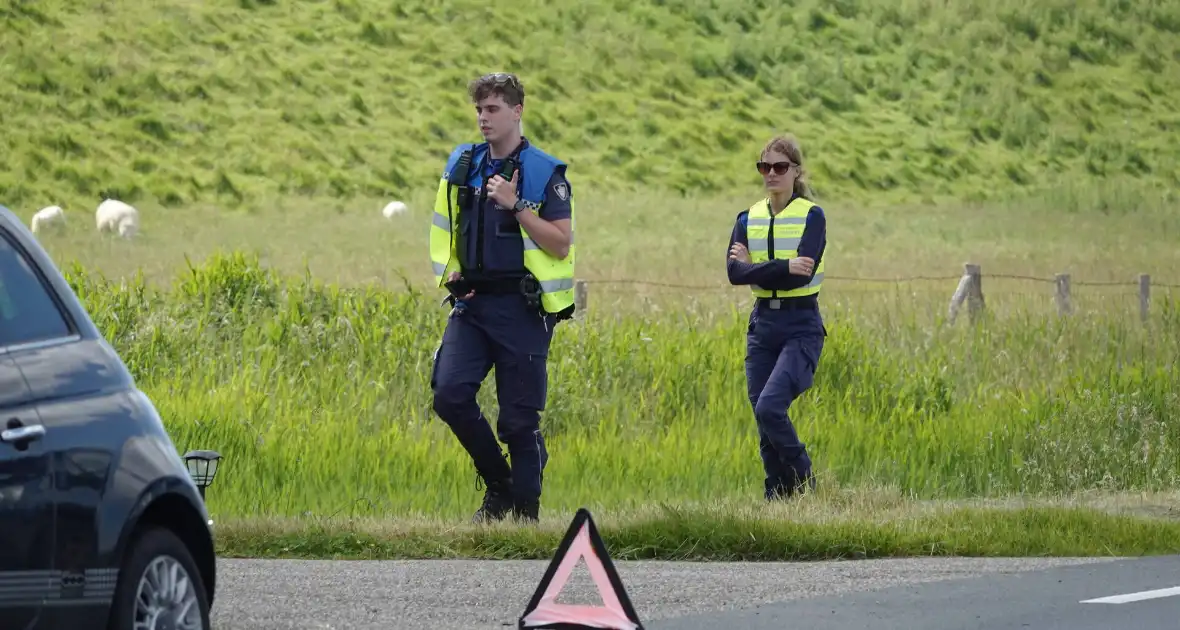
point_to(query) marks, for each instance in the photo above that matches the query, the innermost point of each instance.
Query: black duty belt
(495, 286)
(789, 304)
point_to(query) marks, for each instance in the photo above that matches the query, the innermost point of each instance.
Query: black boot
(491, 468)
(526, 511)
(497, 501)
(528, 476)
(806, 483)
(770, 489)
(790, 485)
(777, 490)
(796, 484)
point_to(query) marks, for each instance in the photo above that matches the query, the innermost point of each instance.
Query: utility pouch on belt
(458, 288)
(530, 288)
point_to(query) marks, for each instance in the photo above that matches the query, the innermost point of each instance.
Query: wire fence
(972, 289)
(895, 280)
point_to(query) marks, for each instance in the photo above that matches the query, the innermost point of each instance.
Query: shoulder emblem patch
(563, 191)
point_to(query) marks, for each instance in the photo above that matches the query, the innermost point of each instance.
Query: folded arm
(775, 274)
(750, 273)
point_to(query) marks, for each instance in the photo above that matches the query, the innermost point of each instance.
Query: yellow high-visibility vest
(556, 276)
(784, 230)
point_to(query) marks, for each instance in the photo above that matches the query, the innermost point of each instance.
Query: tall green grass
(318, 397)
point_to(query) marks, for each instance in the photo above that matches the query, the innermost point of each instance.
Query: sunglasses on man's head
(502, 78)
(779, 167)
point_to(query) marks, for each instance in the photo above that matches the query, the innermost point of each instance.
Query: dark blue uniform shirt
(502, 247)
(774, 274)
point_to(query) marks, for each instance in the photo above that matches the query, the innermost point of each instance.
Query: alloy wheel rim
(166, 599)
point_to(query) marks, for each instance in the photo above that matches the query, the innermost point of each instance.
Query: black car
(101, 525)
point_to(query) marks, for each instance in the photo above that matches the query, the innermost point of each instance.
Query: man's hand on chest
(502, 191)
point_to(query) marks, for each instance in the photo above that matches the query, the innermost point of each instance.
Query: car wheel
(159, 586)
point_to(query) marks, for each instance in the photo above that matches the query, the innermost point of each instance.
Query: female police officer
(777, 248)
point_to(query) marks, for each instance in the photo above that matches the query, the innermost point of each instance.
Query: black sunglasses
(503, 78)
(779, 167)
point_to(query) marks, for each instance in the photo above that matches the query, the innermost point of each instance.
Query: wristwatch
(521, 204)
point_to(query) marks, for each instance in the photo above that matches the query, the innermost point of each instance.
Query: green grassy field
(318, 397)
(1032, 140)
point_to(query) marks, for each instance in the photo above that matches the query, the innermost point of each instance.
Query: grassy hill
(216, 101)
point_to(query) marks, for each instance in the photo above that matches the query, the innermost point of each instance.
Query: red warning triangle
(581, 541)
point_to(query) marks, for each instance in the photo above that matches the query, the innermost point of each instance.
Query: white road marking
(1134, 597)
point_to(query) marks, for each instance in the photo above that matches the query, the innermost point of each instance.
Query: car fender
(160, 501)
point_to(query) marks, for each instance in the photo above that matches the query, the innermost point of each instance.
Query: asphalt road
(476, 595)
(1143, 594)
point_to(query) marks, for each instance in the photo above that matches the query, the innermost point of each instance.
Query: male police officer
(502, 243)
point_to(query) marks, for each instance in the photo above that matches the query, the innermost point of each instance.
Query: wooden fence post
(1064, 303)
(970, 289)
(1144, 296)
(581, 288)
(975, 301)
(952, 311)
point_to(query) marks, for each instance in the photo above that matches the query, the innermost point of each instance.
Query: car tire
(157, 552)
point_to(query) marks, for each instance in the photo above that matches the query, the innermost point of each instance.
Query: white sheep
(49, 216)
(393, 208)
(114, 215)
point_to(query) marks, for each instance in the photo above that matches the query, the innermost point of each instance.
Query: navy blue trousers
(499, 331)
(782, 352)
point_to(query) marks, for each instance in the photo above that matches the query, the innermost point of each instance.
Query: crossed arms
(778, 274)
